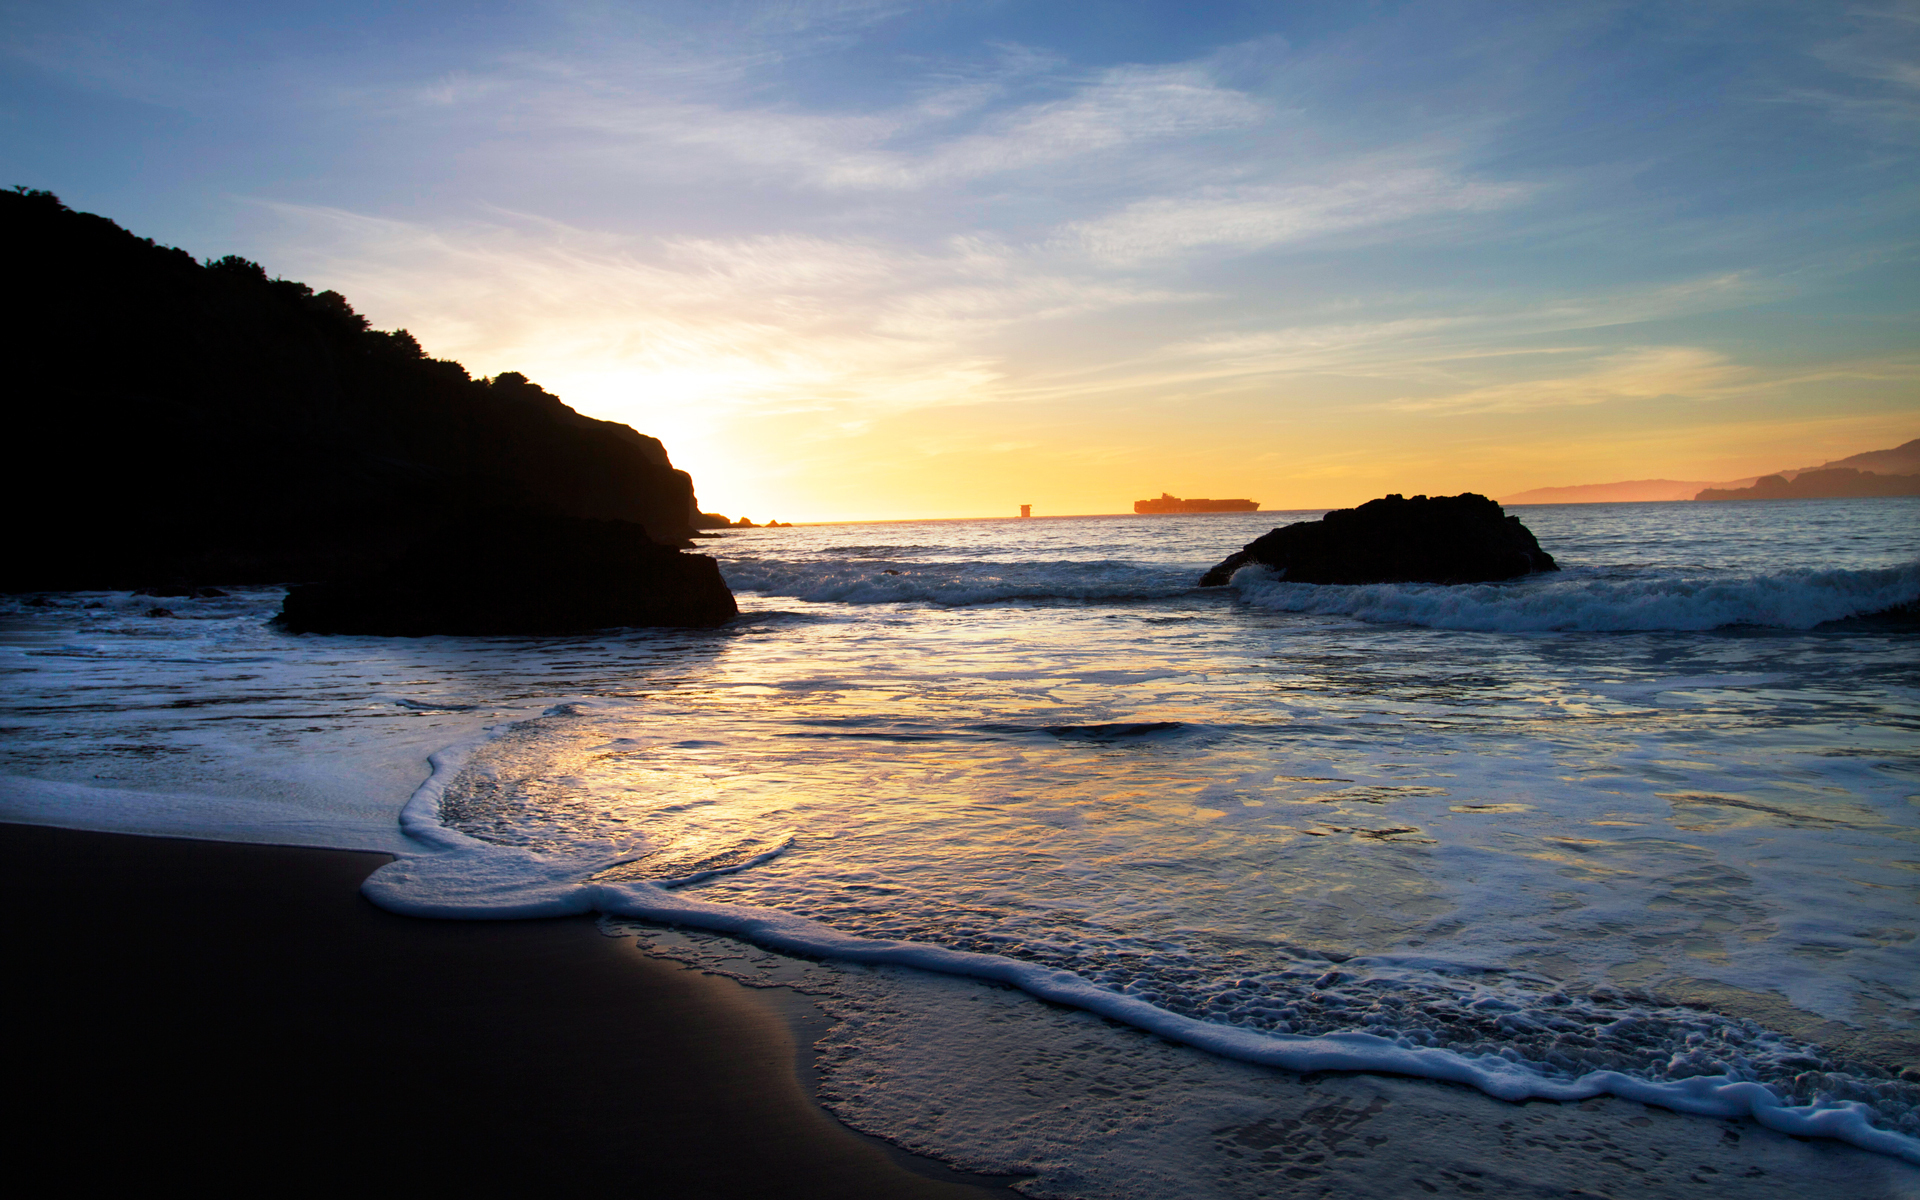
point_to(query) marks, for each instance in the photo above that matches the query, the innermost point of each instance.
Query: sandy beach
(236, 1016)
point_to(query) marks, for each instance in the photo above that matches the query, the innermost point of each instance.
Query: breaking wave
(1514, 1043)
(955, 583)
(1579, 601)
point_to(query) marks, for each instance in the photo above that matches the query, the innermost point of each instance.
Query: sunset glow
(859, 260)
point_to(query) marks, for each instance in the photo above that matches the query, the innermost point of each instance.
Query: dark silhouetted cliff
(174, 420)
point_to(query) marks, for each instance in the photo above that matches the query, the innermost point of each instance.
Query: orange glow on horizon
(789, 394)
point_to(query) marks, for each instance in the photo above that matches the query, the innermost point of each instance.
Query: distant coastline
(1634, 491)
(1839, 483)
(1899, 460)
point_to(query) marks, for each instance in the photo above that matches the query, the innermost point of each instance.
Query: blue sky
(870, 259)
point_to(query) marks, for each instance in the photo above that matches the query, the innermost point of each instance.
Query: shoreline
(985, 1076)
(236, 1013)
(325, 743)
(227, 1012)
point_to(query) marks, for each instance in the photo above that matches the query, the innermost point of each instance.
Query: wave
(462, 877)
(1578, 600)
(954, 584)
(1793, 599)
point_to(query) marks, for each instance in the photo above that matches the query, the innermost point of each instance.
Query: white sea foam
(463, 877)
(1082, 1107)
(310, 819)
(1585, 600)
(1582, 599)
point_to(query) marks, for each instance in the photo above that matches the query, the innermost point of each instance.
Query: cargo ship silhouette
(1174, 504)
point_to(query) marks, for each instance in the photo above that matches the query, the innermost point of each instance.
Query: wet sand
(993, 1080)
(236, 1016)
(224, 1015)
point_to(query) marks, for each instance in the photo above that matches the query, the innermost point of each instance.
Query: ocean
(1646, 828)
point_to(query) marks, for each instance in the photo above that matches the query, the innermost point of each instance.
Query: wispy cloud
(1636, 373)
(962, 130)
(744, 325)
(796, 221)
(1878, 64)
(1253, 218)
(1456, 347)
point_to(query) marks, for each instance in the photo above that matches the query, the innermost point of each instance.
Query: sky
(858, 259)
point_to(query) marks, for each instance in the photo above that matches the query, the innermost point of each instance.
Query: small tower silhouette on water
(1026, 510)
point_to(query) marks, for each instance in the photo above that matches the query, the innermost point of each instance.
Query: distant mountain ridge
(1900, 460)
(1834, 483)
(1615, 493)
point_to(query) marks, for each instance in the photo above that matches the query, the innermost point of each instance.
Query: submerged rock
(1440, 539)
(520, 573)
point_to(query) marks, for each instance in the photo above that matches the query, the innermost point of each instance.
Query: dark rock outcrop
(1832, 483)
(1440, 539)
(176, 420)
(519, 573)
